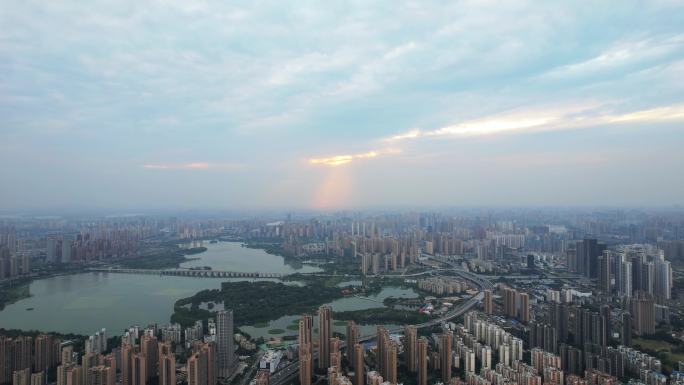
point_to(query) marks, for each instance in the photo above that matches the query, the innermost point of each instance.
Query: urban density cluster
(491, 297)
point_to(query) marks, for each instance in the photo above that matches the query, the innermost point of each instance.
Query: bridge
(190, 273)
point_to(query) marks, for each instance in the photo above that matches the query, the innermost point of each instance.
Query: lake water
(85, 303)
(232, 256)
(287, 323)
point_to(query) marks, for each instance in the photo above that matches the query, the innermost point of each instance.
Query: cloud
(545, 119)
(619, 55)
(339, 160)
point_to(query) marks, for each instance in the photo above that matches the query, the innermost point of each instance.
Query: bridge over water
(191, 273)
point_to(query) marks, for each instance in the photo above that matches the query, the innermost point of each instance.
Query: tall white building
(662, 284)
(97, 343)
(66, 250)
(224, 342)
(625, 282)
(51, 250)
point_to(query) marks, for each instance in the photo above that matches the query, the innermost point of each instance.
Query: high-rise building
(358, 364)
(606, 333)
(324, 335)
(662, 285)
(67, 354)
(625, 281)
(524, 309)
(51, 250)
(588, 252)
(352, 340)
(202, 367)
(509, 299)
(66, 250)
(100, 375)
(626, 330)
(75, 376)
(445, 355)
(224, 342)
(305, 349)
(47, 353)
(167, 364)
(21, 377)
(365, 263)
(89, 360)
(382, 339)
(604, 277)
(411, 348)
(335, 353)
(488, 308)
(62, 373)
(127, 351)
(138, 369)
(643, 312)
(389, 360)
(149, 347)
(422, 361)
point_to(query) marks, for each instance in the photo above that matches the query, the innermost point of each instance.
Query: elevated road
(289, 372)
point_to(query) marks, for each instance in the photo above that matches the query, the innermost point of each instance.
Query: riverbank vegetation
(254, 302)
(11, 293)
(165, 258)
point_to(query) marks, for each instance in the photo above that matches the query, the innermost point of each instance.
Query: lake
(84, 303)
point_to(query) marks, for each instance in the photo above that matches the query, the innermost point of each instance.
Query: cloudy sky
(268, 104)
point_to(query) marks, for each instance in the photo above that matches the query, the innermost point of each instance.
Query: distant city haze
(129, 105)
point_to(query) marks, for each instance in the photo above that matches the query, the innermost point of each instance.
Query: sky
(119, 104)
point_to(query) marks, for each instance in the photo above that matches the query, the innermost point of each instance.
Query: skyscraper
(66, 250)
(358, 364)
(167, 364)
(588, 251)
(100, 375)
(224, 342)
(21, 377)
(352, 340)
(138, 369)
(51, 250)
(604, 272)
(305, 349)
(74, 376)
(663, 280)
(524, 310)
(335, 353)
(202, 366)
(422, 361)
(626, 331)
(509, 299)
(411, 348)
(445, 359)
(643, 311)
(390, 364)
(46, 353)
(149, 347)
(127, 351)
(324, 334)
(626, 281)
(488, 302)
(382, 338)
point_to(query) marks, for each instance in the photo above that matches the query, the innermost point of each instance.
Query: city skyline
(177, 105)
